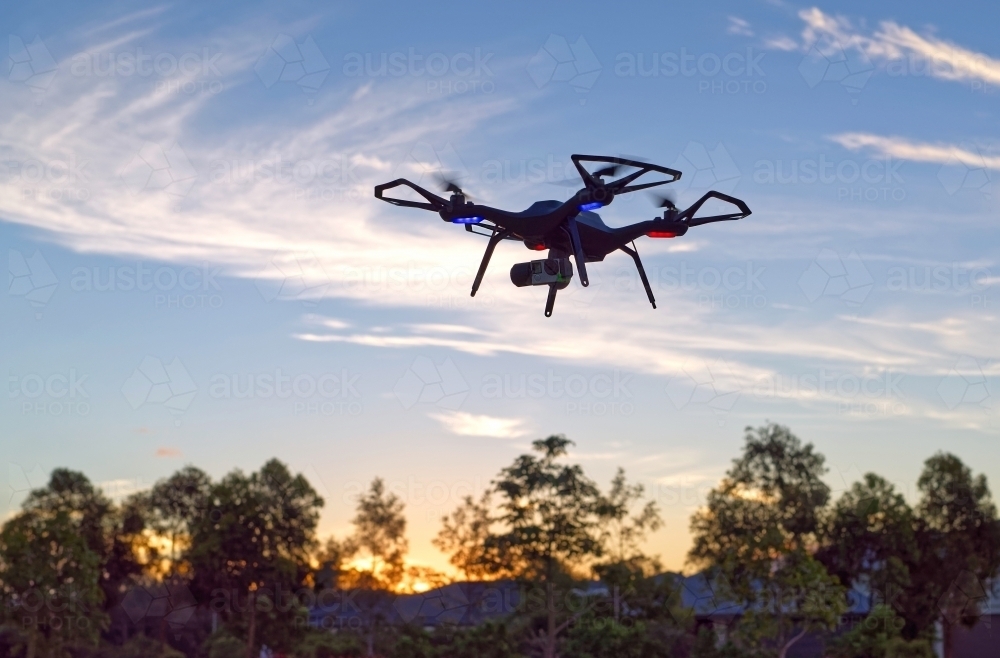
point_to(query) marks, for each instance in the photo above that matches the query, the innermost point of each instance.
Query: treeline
(227, 568)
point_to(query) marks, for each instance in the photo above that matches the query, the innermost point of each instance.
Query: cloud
(781, 42)
(923, 54)
(739, 27)
(905, 149)
(467, 424)
(121, 488)
(235, 214)
(166, 452)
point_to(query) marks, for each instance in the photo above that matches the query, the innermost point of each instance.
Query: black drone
(570, 227)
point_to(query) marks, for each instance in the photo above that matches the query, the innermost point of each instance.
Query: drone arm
(435, 203)
(642, 273)
(494, 240)
(688, 215)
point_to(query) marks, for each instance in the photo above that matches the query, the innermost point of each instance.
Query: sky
(199, 273)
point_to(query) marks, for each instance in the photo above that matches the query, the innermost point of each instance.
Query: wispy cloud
(781, 42)
(739, 26)
(922, 54)
(467, 424)
(907, 149)
(235, 214)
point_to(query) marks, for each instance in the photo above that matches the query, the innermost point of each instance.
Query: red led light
(661, 234)
(538, 247)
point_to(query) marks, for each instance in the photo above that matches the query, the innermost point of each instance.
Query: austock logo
(157, 167)
(603, 394)
(462, 602)
(155, 383)
(701, 383)
(185, 287)
(59, 609)
(31, 278)
(830, 61)
(966, 385)
(171, 601)
(968, 169)
(57, 179)
(31, 63)
(875, 393)
(21, 480)
(326, 394)
(293, 277)
(706, 169)
(730, 73)
(287, 61)
(559, 61)
(829, 275)
(446, 73)
(963, 599)
(57, 394)
(423, 382)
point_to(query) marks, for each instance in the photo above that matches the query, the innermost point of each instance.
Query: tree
(114, 533)
(332, 558)
(380, 537)
(51, 577)
(958, 531)
(878, 636)
(550, 525)
(623, 530)
(797, 597)
(175, 504)
(868, 539)
(548, 513)
(464, 535)
(255, 541)
(756, 531)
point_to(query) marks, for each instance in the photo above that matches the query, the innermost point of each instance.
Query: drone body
(570, 227)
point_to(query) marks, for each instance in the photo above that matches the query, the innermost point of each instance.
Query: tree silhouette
(380, 537)
(755, 532)
(175, 504)
(959, 536)
(51, 575)
(868, 539)
(548, 518)
(465, 535)
(255, 542)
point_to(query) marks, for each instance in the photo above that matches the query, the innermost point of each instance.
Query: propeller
(664, 201)
(610, 171)
(449, 183)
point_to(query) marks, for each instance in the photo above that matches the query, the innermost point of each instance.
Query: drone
(570, 227)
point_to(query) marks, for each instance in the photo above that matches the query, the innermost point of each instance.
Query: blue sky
(198, 272)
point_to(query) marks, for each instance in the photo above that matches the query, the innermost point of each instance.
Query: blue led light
(593, 205)
(466, 220)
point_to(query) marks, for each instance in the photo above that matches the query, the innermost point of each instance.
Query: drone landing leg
(574, 236)
(642, 273)
(551, 300)
(494, 240)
